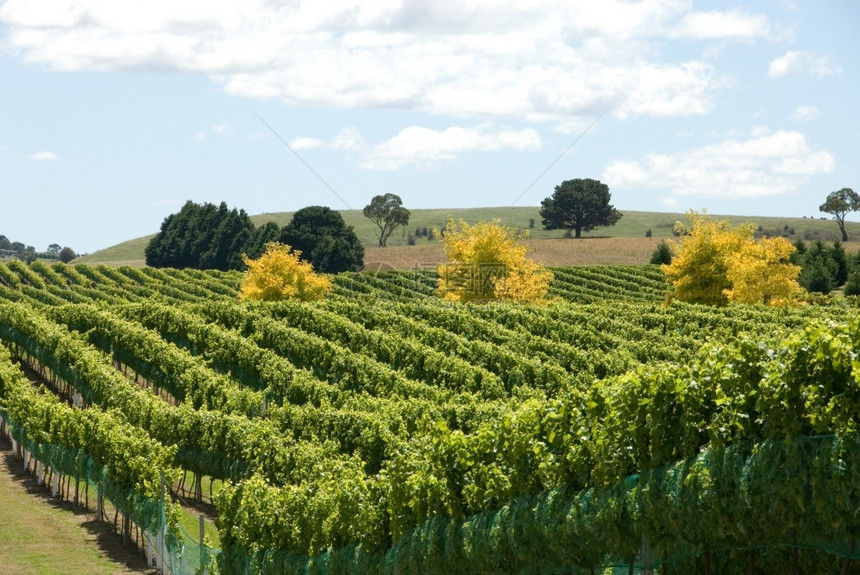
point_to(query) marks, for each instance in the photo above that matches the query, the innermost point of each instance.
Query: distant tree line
(28, 254)
(206, 236)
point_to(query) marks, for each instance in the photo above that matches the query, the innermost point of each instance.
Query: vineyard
(384, 430)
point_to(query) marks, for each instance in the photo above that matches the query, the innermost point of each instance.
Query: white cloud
(764, 164)
(802, 63)
(306, 143)
(348, 139)
(716, 25)
(423, 146)
(806, 113)
(220, 130)
(43, 156)
(541, 60)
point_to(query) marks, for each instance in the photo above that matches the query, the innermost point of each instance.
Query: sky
(115, 113)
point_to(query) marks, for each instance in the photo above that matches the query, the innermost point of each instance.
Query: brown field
(557, 252)
(549, 252)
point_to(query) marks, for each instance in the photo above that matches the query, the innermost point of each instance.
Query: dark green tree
(388, 213)
(324, 240)
(840, 260)
(66, 255)
(268, 232)
(662, 255)
(231, 233)
(819, 259)
(581, 204)
(799, 253)
(201, 236)
(818, 273)
(840, 203)
(852, 285)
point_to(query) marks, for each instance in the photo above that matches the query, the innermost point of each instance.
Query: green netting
(181, 553)
(766, 504)
(189, 557)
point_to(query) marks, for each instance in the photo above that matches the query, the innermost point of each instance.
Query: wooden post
(99, 502)
(646, 556)
(126, 527)
(203, 556)
(147, 544)
(198, 486)
(159, 558)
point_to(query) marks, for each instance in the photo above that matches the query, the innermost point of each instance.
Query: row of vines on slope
(383, 420)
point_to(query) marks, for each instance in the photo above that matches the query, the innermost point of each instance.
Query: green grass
(127, 253)
(190, 521)
(632, 225)
(40, 535)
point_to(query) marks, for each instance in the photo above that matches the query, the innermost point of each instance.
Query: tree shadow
(102, 534)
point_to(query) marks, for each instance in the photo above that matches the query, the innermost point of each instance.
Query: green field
(383, 430)
(633, 225)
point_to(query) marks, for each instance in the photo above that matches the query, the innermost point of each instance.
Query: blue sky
(113, 114)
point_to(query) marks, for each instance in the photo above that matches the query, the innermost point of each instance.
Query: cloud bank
(538, 60)
(802, 63)
(764, 164)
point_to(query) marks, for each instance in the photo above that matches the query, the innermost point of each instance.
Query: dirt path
(40, 535)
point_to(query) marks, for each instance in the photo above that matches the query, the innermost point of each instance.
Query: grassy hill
(594, 248)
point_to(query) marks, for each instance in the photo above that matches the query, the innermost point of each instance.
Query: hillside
(384, 430)
(633, 227)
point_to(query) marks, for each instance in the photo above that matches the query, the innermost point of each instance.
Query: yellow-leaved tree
(486, 262)
(760, 273)
(715, 263)
(279, 274)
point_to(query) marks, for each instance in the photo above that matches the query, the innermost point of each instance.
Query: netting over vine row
(749, 503)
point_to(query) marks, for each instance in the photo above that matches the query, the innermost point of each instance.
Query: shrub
(715, 263)
(280, 274)
(662, 255)
(487, 263)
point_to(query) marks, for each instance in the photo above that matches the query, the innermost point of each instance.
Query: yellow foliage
(715, 263)
(486, 263)
(759, 274)
(279, 274)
